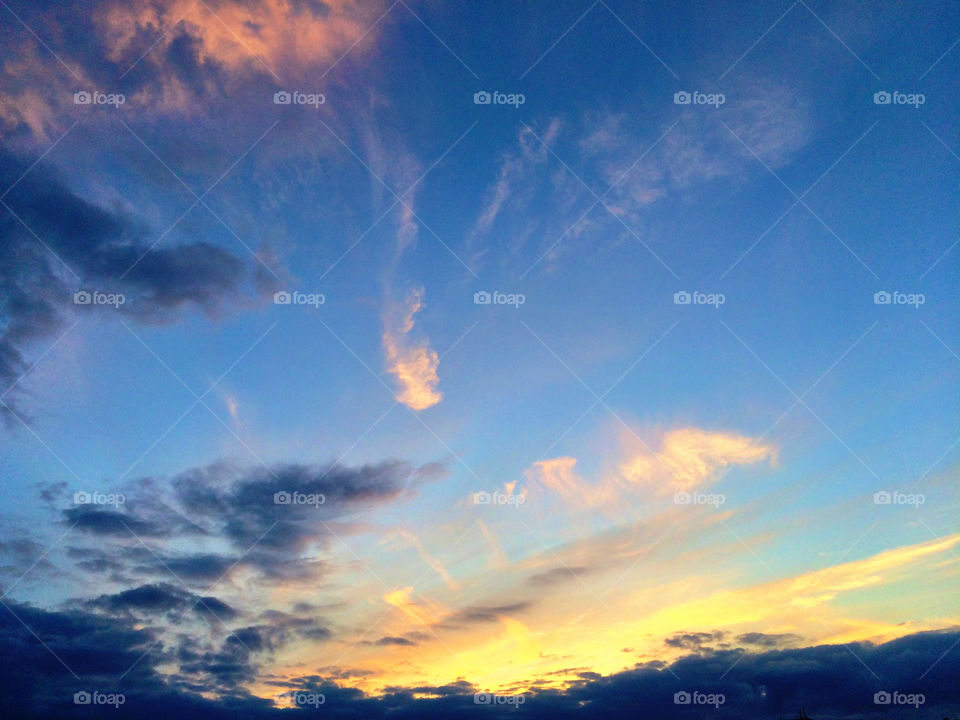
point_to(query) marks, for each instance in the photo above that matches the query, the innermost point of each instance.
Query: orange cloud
(422, 613)
(558, 475)
(228, 42)
(276, 36)
(413, 365)
(690, 458)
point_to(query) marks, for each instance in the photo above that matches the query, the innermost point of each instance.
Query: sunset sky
(441, 359)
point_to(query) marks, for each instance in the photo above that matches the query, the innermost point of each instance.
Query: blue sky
(590, 407)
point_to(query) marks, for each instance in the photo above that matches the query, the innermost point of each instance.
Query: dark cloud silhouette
(829, 681)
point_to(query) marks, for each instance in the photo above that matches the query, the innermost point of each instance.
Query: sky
(425, 359)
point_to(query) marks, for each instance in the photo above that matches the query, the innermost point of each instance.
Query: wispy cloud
(687, 458)
(412, 362)
(690, 458)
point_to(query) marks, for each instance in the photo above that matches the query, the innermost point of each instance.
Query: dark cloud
(54, 243)
(161, 599)
(391, 640)
(558, 574)
(243, 505)
(694, 641)
(483, 614)
(829, 681)
(21, 555)
(98, 520)
(768, 640)
(240, 507)
(202, 567)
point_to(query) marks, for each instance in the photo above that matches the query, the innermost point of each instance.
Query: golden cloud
(413, 365)
(690, 458)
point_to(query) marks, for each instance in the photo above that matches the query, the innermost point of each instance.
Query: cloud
(234, 512)
(828, 680)
(768, 640)
(803, 602)
(486, 614)
(413, 364)
(100, 521)
(391, 640)
(559, 574)
(694, 641)
(54, 243)
(559, 477)
(690, 458)
(161, 599)
(631, 167)
(177, 56)
(429, 559)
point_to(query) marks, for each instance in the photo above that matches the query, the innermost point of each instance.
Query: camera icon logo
(481, 498)
(81, 297)
(881, 698)
(881, 98)
(881, 498)
(81, 698)
(281, 298)
(681, 98)
(481, 98)
(82, 97)
(881, 298)
(481, 298)
(681, 298)
(82, 498)
(281, 498)
(681, 698)
(482, 698)
(682, 498)
(282, 97)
